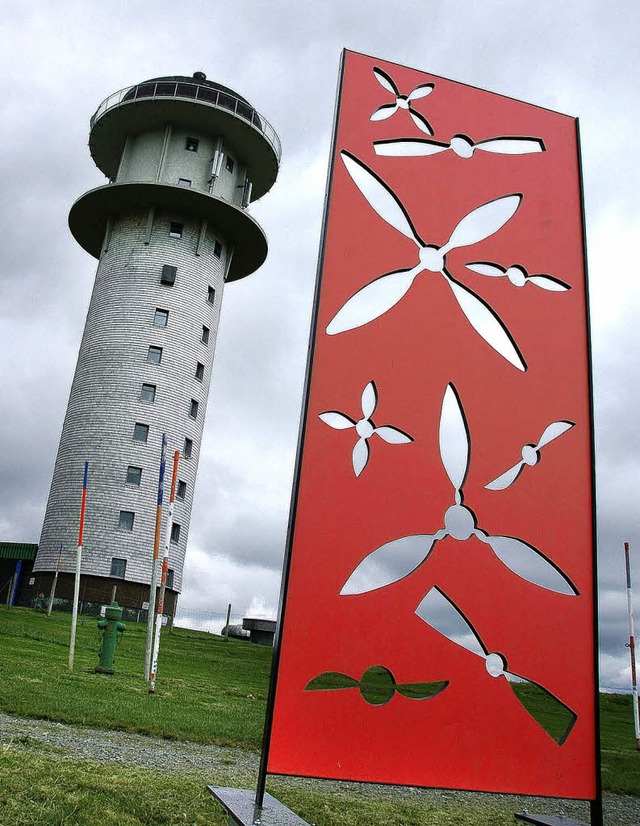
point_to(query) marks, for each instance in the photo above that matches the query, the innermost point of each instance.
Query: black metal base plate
(240, 804)
(548, 820)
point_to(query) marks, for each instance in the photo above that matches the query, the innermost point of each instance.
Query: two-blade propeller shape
(377, 685)
(397, 559)
(402, 101)
(379, 296)
(441, 614)
(530, 455)
(365, 428)
(460, 145)
(518, 276)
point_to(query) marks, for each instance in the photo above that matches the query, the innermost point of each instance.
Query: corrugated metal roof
(18, 550)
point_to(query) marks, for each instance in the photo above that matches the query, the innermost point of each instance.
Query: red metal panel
(475, 733)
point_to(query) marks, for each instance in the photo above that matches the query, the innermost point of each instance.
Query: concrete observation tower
(184, 157)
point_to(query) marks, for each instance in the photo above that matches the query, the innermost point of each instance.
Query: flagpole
(632, 648)
(154, 567)
(163, 578)
(76, 584)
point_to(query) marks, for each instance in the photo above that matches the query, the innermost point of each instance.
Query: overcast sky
(59, 60)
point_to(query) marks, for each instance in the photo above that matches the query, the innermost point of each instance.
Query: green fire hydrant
(109, 628)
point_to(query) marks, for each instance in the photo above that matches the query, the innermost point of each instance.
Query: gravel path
(182, 757)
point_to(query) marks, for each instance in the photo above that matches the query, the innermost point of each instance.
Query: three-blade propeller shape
(397, 559)
(518, 276)
(530, 455)
(377, 685)
(402, 101)
(460, 145)
(379, 296)
(365, 428)
(441, 614)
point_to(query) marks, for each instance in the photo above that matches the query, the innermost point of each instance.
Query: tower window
(188, 448)
(229, 164)
(211, 295)
(175, 533)
(175, 229)
(169, 583)
(118, 567)
(161, 317)
(193, 409)
(125, 522)
(199, 371)
(168, 276)
(205, 335)
(217, 249)
(140, 432)
(181, 492)
(154, 355)
(191, 144)
(134, 475)
(184, 182)
(148, 393)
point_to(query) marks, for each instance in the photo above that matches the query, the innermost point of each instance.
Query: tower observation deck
(185, 157)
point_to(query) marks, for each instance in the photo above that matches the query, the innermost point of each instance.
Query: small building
(261, 631)
(17, 583)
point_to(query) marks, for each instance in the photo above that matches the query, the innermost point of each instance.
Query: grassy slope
(208, 690)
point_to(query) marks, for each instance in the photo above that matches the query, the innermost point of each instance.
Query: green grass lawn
(209, 691)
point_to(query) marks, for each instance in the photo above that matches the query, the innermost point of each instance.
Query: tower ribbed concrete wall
(174, 161)
(105, 404)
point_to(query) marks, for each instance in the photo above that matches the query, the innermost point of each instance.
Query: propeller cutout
(400, 557)
(460, 145)
(518, 276)
(365, 428)
(530, 455)
(439, 612)
(379, 296)
(377, 685)
(402, 101)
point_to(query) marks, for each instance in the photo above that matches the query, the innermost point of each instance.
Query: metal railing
(192, 91)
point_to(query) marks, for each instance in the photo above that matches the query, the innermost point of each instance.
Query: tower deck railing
(192, 91)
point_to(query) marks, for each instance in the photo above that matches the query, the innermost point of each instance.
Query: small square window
(193, 409)
(184, 182)
(229, 164)
(191, 144)
(148, 393)
(169, 582)
(168, 276)
(161, 317)
(154, 355)
(188, 448)
(118, 567)
(175, 229)
(211, 295)
(134, 475)
(125, 522)
(140, 432)
(175, 533)
(205, 335)
(199, 371)
(181, 491)
(217, 249)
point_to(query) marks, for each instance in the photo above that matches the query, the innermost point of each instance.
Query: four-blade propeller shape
(365, 428)
(460, 145)
(518, 276)
(375, 298)
(530, 455)
(402, 101)
(377, 685)
(396, 559)
(440, 613)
